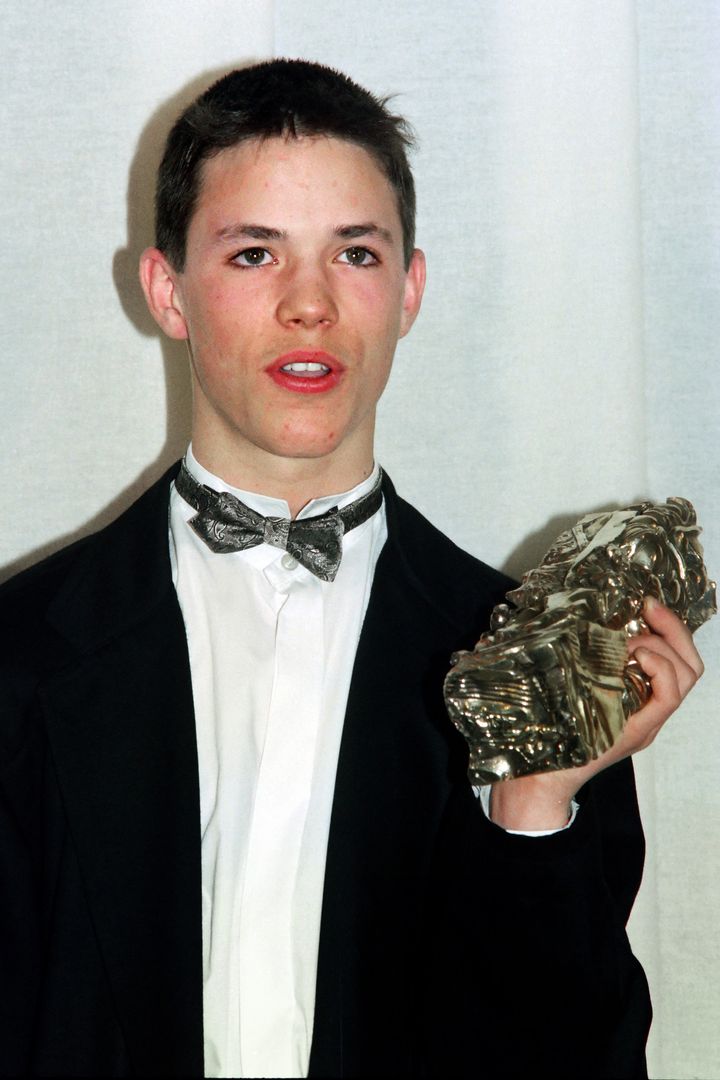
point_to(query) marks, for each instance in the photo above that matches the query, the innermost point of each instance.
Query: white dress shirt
(271, 650)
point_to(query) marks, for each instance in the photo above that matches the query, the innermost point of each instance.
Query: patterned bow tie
(227, 524)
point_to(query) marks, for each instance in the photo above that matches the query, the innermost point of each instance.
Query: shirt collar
(271, 507)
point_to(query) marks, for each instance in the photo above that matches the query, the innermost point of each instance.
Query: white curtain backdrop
(566, 358)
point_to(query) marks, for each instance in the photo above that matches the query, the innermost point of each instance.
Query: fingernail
(650, 603)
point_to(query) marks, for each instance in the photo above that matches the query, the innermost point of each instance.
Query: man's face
(293, 297)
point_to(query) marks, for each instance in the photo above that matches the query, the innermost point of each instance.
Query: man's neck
(297, 481)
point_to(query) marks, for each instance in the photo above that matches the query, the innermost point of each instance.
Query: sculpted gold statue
(550, 686)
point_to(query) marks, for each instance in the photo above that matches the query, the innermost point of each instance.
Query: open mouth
(306, 372)
(306, 368)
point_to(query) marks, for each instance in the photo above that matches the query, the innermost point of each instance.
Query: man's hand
(670, 660)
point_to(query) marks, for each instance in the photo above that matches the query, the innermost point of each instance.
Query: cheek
(377, 313)
(223, 310)
(380, 295)
(222, 334)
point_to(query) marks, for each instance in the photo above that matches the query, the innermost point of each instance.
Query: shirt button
(289, 561)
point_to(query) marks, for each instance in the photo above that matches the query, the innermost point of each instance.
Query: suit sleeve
(532, 973)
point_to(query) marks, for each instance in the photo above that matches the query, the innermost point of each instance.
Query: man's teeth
(302, 367)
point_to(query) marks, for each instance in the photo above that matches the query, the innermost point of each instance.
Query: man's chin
(307, 445)
(300, 450)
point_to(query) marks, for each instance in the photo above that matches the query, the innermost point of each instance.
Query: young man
(239, 830)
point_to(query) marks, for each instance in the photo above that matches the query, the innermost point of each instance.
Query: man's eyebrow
(367, 228)
(245, 231)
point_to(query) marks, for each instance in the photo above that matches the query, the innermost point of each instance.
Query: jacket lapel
(398, 755)
(121, 732)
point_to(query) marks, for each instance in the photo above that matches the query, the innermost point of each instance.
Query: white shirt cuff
(483, 794)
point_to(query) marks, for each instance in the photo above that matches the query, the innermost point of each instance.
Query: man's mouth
(302, 367)
(306, 371)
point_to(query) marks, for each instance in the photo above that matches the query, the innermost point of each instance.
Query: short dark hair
(286, 98)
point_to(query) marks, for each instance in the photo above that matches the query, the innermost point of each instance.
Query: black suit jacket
(446, 945)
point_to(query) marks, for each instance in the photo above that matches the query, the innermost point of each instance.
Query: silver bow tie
(227, 524)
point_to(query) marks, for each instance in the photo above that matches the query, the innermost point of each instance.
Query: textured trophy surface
(551, 685)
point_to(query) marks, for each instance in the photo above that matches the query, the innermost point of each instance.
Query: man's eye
(358, 256)
(255, 256)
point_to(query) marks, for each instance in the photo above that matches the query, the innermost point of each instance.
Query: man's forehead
(325, 172)
(278, 154)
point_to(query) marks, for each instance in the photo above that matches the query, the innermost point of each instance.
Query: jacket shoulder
(67, 589)
(31, 589)
(27, 595)
(447, 557)
(25, 636)
(464, 588)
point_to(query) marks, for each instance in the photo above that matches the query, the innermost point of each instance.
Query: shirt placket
(267, 977)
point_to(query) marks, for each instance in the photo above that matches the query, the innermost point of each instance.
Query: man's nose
(307, 300)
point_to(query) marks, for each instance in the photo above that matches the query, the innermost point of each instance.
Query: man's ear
(159, 283)
(414, 288)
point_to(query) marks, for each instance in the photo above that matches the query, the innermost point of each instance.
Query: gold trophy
(551, 685)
